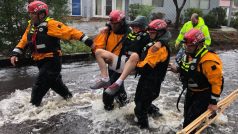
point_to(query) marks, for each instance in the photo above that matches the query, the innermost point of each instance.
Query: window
(108, 6)
(119, 4)
(236, 3)
(98, 10)
(76, 7)
(202, 4)
(102, 8)
(158, 3)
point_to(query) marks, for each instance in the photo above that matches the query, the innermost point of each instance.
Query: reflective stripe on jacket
(204, 72)
(55, 29)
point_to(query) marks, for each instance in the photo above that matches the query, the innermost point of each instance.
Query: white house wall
(169, 7)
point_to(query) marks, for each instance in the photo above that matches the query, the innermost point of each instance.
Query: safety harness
(40, 42)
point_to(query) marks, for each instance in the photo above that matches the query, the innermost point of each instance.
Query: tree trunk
(176, 26)
(178, 11)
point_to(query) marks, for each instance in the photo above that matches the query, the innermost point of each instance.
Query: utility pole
(230, 11)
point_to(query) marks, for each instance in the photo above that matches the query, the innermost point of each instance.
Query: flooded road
(84, 113)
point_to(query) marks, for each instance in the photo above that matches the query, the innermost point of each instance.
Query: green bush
(216, 17)
(157, 15)
(14, 20)
(234, 21)
(137, 9)
(188, 13)
(172, 47)
(210, 20)
(74, 47)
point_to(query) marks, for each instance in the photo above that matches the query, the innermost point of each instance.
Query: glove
(85, 39)
(176, 45)
(89, 42)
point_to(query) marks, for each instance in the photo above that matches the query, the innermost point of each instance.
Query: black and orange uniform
(152, 67)
(135, 42)
(113, 42)
(44, 42)
(203, 78)
(123, 44)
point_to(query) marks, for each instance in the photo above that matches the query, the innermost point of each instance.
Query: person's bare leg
(128, 69)
(130, 66)
(103, 58)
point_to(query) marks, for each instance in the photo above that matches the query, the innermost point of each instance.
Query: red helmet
(38, 6)
(194, 37)
(157, 25)
(116, 16)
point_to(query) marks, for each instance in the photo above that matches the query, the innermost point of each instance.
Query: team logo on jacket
(192, 67)
(41, 29)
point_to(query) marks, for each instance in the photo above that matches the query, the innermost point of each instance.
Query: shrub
(234, 21)
(188, 13)
(216, 17)
(157, 15)
(211, 20)
(69, 47)
(137, 9)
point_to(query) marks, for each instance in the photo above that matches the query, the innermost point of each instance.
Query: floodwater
(84, 113)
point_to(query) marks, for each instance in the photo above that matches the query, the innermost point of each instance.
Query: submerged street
(84, 113)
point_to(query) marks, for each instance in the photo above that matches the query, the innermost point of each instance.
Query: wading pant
(196, 103)
(49, 77)
(121, 94)
(147, 91)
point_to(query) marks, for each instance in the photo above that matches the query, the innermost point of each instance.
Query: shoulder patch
(214, 67)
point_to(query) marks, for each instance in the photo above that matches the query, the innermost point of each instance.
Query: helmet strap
(159, 34)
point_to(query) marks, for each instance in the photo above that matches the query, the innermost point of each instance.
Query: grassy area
(74, 47)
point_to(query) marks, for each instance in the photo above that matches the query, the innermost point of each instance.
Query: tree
(178, 11)
(14, 20)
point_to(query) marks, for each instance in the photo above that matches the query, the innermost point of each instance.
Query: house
(90, 9)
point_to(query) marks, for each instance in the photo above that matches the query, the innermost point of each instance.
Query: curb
(65, 59)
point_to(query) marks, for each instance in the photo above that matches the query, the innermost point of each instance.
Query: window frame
(157, 5)
(103, 8)
(72, 8)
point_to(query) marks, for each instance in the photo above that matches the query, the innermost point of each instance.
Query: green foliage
(14, 17)
(188, 13)
(58, 9)
(74, 47)
(210, 20)
(137, 9)
(216, 17)
(13, 21)
(234, 21)
(172, 47)
(157, 15)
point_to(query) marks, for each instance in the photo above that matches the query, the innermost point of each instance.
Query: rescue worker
(128, 57)
(152, 68)
(201, 72)
(112, 41)
(197, 23)
(43, 36)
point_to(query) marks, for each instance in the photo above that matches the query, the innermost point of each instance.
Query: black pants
(49, 77)
(121, 94)
(147, 91)
(196, 103)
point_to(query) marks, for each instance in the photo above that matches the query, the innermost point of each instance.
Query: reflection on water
(84, 113)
